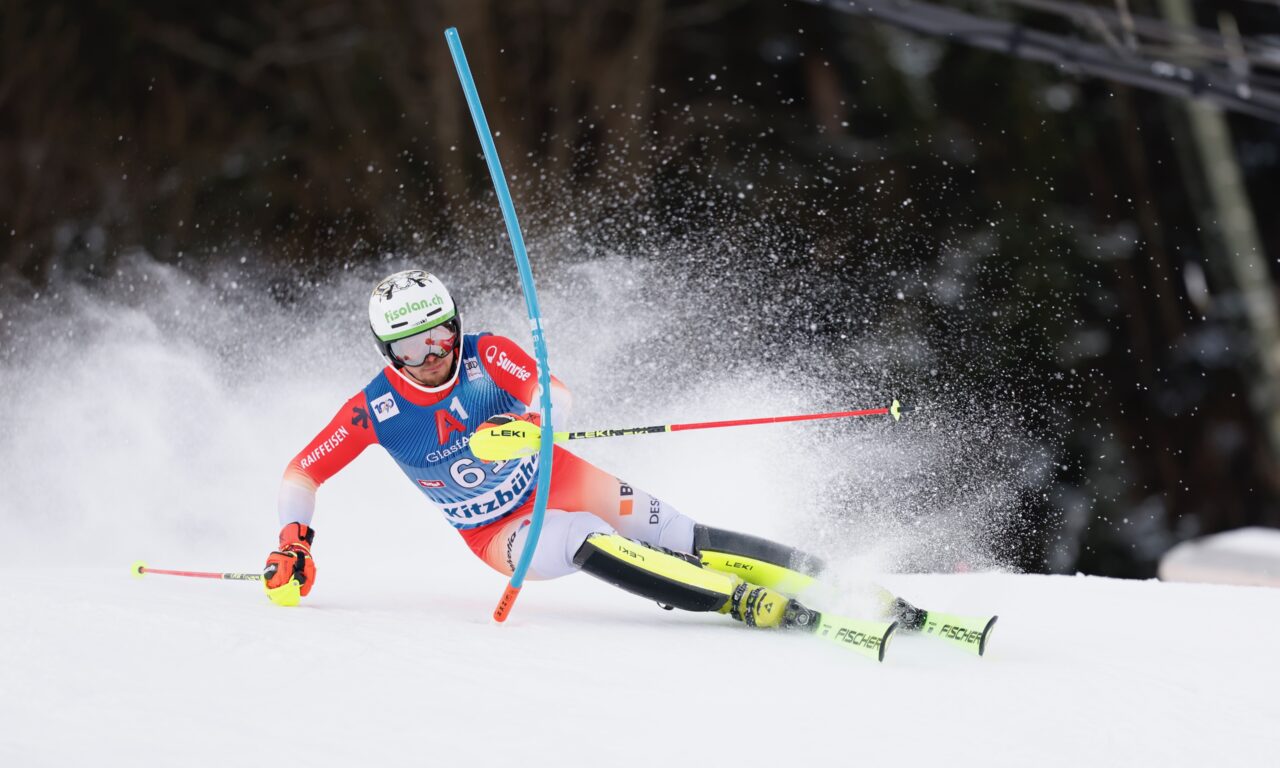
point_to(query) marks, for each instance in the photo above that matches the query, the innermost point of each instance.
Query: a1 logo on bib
(384, 407)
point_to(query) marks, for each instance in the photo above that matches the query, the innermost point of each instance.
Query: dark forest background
(323, 132)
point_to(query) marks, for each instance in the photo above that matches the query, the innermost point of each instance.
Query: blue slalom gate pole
(535, 318)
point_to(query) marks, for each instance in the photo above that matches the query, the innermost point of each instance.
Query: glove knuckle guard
(290, 571)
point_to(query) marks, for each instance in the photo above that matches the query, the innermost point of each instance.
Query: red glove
(533, 417)
(290, 571)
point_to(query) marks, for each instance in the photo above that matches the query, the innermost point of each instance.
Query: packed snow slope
(150, 415)
(394, 661)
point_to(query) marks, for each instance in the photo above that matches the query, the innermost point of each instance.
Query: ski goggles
(414, 350)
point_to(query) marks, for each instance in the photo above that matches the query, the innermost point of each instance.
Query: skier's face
(434, 371)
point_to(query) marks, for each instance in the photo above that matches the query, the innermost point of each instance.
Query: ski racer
(439, 386)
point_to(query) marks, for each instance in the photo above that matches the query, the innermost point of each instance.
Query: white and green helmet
(410, 303)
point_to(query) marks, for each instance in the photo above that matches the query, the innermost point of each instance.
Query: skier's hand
(290, 570)
(533, 417)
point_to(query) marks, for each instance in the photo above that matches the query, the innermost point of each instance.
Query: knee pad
(653, 573)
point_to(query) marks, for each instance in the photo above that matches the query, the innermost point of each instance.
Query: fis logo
(472, 367)
(431, 483)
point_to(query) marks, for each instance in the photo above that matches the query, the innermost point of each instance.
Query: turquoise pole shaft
(530, 298)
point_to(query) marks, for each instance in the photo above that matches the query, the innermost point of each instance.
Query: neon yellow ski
(868, 638)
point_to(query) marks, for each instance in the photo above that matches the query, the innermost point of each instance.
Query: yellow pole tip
(138, 569)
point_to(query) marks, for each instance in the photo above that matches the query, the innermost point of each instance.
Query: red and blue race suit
(428, 435)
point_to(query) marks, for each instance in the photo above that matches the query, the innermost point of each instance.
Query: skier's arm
(516, 371)
(344, 438)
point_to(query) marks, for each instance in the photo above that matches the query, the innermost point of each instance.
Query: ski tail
(968, 632)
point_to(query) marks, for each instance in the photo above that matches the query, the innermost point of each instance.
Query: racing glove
(533, 417)
(290, 571)
(507, 440)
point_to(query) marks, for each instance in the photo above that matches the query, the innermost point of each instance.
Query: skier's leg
(764, 562)
(665, 576)
(573, 540)
(681, 582)
(783, 568)
(638, 515)
(652, 520)
(631, 540)
(562, 534)
(579, 485)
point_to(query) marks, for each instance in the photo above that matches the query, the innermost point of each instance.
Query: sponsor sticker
(413, 306)
(496, 502)
(495, 357)
(624, 501)
(324, 448)
(472, 367)
(431, 483)
(384, 407)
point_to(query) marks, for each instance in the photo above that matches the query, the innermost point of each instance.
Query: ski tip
(884, 639)
(138, 569)
(986, 635)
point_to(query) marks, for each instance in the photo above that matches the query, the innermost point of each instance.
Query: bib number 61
(466, 473)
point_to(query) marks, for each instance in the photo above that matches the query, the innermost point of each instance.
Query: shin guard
(754, 559)
(654, 573)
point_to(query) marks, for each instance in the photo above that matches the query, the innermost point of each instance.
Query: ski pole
(140, 568)
(520, 438)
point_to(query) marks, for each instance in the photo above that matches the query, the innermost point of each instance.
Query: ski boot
(758, 606)
(909, 617)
